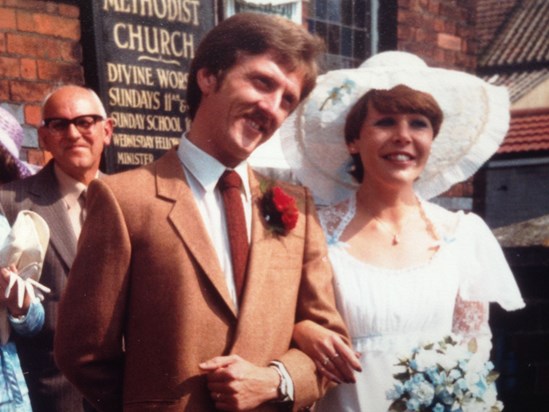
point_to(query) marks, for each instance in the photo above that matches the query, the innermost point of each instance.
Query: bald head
(75, 129)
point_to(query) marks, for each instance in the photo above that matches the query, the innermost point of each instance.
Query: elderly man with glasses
(75, 129)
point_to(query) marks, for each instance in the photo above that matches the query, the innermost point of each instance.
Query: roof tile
(528, 132)
(490, 16)
(519, 82)
(523, 40)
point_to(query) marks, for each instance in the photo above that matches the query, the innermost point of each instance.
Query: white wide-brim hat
(476, 120)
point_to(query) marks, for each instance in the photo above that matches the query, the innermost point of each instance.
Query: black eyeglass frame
(66, 122)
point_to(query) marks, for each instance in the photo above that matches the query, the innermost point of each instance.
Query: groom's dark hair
(291, 45)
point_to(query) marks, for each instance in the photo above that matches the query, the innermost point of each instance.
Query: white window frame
(291, 9)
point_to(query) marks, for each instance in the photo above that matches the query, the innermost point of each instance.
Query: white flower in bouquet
(445, 377)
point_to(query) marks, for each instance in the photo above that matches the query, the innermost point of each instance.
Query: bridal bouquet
(445, 377)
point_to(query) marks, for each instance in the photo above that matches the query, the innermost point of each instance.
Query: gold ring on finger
(325, 361)
(334, 356)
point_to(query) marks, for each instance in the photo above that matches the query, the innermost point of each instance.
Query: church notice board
(137, 56)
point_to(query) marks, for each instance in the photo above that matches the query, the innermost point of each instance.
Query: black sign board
(137, 55)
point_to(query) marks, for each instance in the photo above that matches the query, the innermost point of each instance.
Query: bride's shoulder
(454, 222)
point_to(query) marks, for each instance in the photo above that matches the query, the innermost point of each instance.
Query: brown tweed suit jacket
(147, 299)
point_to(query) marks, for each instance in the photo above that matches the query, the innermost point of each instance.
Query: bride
(407, 271)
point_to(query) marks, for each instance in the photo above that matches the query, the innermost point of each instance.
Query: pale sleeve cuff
(286, 384)
(32, 322)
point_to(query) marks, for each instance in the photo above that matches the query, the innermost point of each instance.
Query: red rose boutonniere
(279, 210)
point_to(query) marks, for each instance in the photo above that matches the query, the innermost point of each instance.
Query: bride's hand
(332, 356)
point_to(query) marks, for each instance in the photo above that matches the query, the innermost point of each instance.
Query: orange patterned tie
(230, 184)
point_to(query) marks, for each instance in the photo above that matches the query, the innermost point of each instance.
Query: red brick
(448, 42)
(57, 71)
(49, 25)
(9, 67)
(450, 27)
(24, 91)
(69, 11)
(28, 69)
(36, 157)
(404, 4)
(434, 7)
(423, 4)
(415, 6)
(413, 19)
(31, 45)
(439, 55)
(4, 90)
(438, 25)
(448, 9)
(33, 114)
(70, 51)
(27, 45)
(52, 7)
(29, 4)
(404, 32)
(7, 19)
(2, 43)
(425, 36)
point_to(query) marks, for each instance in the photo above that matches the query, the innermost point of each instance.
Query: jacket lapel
(187, 221)
(262, 244)
(47, 202)
(258, 288)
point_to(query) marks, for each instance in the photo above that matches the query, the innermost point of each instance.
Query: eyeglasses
(85, 124)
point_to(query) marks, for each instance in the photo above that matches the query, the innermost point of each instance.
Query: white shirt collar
(70, 188)
(206, 169)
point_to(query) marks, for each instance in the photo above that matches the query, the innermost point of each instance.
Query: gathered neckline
(347, 210)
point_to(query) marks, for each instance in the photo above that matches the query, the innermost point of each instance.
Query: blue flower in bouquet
(438, 408)
(436, 376)
(444, 377)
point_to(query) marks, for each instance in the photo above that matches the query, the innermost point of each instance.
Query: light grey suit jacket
(49, 390)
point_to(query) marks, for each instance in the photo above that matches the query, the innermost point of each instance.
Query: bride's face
(394, 148)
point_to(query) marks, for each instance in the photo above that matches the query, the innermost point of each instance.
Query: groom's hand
(238, 385)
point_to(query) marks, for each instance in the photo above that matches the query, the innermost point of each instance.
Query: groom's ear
(207, 81)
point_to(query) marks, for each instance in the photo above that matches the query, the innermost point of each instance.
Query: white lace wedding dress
(389, 312)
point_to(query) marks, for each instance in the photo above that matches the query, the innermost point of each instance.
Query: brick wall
(39, 48)
(442, 32)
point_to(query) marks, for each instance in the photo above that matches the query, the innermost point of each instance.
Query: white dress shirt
(203, 172)
(71, 189)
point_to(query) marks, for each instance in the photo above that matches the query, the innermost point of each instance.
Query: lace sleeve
(334, 219)
(471, 321)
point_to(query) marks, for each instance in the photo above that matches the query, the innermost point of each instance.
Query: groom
(153, 316)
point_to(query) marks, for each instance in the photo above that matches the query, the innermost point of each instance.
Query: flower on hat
(336, 93)
(278, 209)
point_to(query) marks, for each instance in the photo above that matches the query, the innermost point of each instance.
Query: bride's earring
(352, 149)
